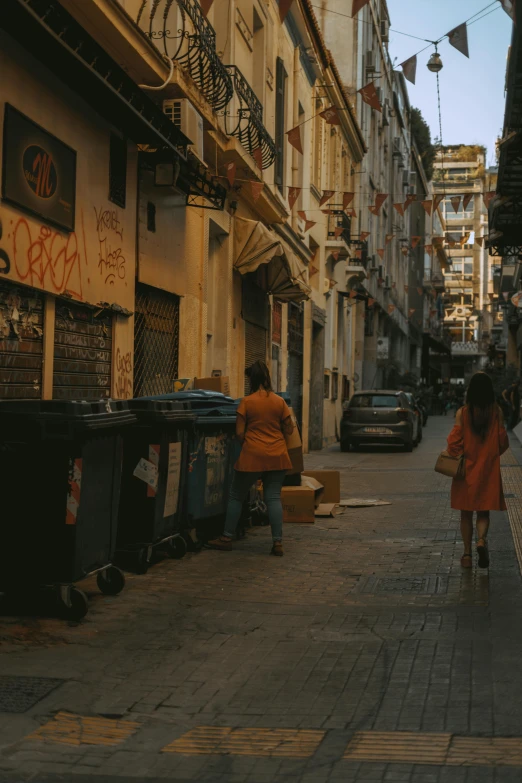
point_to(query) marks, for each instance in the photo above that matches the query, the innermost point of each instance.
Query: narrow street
(365, 654)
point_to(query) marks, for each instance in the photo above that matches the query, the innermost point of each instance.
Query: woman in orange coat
(480, 435)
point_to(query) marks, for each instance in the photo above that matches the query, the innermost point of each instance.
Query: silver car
(378, 417)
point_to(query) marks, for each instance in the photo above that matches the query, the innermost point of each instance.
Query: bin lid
(161, 411)
(75, 414)
(197, 400)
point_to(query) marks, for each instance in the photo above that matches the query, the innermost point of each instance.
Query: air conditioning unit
(385, 30)
(371, 262)
(387, 285)
(413, 179)
(182, 113)
(369, 62)
(405, 178)
(397, 148)
(381, 272)
(378, 90)
(385, 113)
(326, 285)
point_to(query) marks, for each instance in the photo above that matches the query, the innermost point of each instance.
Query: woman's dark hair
(259, 376)
(480, 399)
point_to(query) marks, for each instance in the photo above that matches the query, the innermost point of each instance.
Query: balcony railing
(337, 220)
(246, 121)
(179, 28)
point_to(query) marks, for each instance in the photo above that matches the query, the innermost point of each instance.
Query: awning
(283, 274)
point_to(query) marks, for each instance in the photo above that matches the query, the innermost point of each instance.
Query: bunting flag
(312, 270)
(411, 311)
(409, 68)
(364, 235)
(415, 241)
(302, 214)
(338, 231)
(294, 138)
(404, 251)
(399, 208)
(205, 6)
(327, 195)
(293, 195)
(487, 197)
(380, 280)
(358, 254)
(388, 238)
(428, 206)
(381, 252)
(351, 212)
(308, 225)
(257, 189)
(284, 7)
(370, 302)
(369, 96)
(465, 201)
(231, 173)
(394, 284)
(406, 289)
(437, 199)
(333, 283)
(479, 241)
(409, 200)
(352, 294)
(331, 115)
(347, 199)
(428, 249)
(505, 294)
(380, 198)
(327, 211)
(464, 238)
(357, 5)
(335, 254)
(391, 309)
(458, 37)
(419, 291)
(509, 7)
(437, 241)
(455, 202)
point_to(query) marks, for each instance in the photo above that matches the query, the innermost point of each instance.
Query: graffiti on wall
(123, 390)
(111, 260)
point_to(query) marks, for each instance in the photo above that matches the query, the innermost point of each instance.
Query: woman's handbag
(454, 467)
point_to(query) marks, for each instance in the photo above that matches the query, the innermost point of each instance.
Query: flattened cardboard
(219, 383)
(331, 481)
(325, 510)
(298, 505)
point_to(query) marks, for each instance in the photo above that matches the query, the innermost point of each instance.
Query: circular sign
(40, 171)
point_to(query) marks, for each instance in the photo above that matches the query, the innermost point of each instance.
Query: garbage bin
(155, 461)
(60, 465)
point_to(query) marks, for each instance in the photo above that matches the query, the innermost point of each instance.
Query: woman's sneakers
(277, 549)
(483, 554)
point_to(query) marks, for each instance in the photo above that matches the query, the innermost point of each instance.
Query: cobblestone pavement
(365, 654)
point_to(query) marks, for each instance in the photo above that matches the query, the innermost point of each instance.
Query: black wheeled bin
(60, 469)
(155, 461)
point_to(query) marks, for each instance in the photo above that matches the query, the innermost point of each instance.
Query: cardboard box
(331, 481)
(298, 505)
(294, 445)
(294, 441)
(316, 487)
(218, 383)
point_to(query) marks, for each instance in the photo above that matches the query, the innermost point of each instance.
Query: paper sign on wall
(173, 476)
(147, 472)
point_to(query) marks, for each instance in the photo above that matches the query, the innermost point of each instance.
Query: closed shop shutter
(21, 342)
(156, 341)
(82, 353)
(295, 358)
(255, 347)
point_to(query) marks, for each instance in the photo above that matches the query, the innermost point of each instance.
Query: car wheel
(345, 445)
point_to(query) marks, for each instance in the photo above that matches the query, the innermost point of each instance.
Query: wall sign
(39, 171)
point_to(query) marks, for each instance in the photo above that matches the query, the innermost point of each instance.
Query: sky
(472, 91)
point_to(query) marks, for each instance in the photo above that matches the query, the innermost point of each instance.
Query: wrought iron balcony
(246, 123)
(339, 224)
(179, 28)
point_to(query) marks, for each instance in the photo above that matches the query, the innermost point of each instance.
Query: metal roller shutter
(156, 341)
(255, 347)
(82, 353)
(295, 358)
(21, 342)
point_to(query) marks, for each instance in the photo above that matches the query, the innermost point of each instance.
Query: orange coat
(264, 447)
(481, 489)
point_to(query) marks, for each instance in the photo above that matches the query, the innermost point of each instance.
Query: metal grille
(156, 341)
(21, 342)
(255, 347)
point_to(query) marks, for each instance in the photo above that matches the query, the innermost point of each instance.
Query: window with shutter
(280, 138)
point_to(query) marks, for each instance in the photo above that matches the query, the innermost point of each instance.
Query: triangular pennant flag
(404, 251)
(415, 241)
(294, 138)
(455, 202)
(347, 199)
(487, 197)
(357, 5)
(505, 294)
(380, 198)
(327, 195)
(333, 282)
(409, 68)
(388, 238)
(284, 7)
(452, 243)
(391, 309)
(369, 96)
(302, 214)
(351, 212)
(479, 241)
(312, 270)
(335, 254)
(394, 284)
(371, 301)
(231, 173)
(293, 195)
(409, 200)
(358, 254)
(257, 189)
(380, 280)
(399, 208)
(331, 115)
(381, 252)
(428, 206)
(411, 311)
(437, 241)
(437, 199)
(338, 231)
(308, 225)
(465, 201)
(352, 294)
(258, 157)
(364, 235)
(509, 7)
(406, 289)
(419, 291)
(464, 238)
(458, 37)
(327, 211)
(205, 6)
(428, 249)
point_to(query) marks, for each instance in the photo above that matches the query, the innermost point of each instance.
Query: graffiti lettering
(123, 375)
(111, 261)
(50, 259)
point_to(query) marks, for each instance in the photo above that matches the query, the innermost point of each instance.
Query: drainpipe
(295, 120)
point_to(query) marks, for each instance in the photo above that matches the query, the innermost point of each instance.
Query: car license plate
(378, 430)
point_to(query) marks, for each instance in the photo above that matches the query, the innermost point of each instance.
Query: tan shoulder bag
(454, 467)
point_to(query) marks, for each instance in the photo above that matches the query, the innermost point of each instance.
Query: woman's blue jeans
(272, 484)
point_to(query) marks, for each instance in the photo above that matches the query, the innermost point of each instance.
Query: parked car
(424, 410)
(379, 417)
(418, 413)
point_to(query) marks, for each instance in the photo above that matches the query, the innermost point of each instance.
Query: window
(118, 170)
(374, 401)
(335, 385)
(151, 216)
(346, 388)
(326, 387)
(280, 138)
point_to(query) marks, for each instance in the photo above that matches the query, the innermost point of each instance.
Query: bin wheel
(142, 561)
(176, 547)
(111, 581)
(78, 605)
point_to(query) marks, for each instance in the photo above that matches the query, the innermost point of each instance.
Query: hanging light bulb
(435, 63)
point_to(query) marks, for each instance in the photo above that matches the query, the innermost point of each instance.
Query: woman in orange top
(263, 420)
(480, 435)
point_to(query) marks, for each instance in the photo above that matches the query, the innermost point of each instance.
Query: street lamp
(435, 63)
